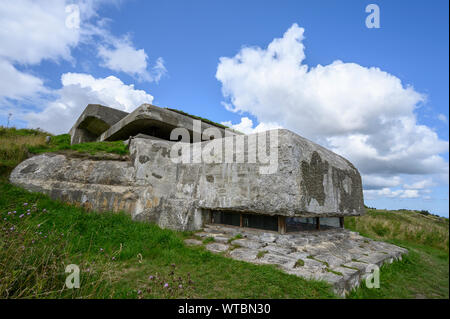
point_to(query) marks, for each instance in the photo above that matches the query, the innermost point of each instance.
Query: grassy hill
(120, 258)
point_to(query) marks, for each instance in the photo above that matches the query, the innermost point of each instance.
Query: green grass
(62, 142)
(18, 144)
(299, 263)
(208, 240)
(117, 256)
(424, 271)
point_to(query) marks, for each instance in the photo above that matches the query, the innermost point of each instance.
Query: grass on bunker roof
(121, 258)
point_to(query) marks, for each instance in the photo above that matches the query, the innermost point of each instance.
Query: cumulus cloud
(121, 56)
(77, 91)
(442, 118)
(362, 113)
(32, 31)
(423, 184)
(246, 126)
(387, 192)
(379, 182)
(17, 84)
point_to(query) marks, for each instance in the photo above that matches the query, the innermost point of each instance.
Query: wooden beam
(341, 222)
(317, 223)
(282, 224)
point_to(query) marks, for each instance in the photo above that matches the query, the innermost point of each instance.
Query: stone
(221, 239)
(277, 249)
(332, 264)
(192, 242)
(244, 254)
(217, 247)
(277, 259)
(247, 243)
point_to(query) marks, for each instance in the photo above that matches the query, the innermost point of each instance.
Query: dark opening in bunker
(294, 224)
(277, 223)
(257, 221)
(260, 221)
(226, 218)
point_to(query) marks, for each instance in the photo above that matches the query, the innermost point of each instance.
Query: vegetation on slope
(18, 144)
(424, 271)
(120, 258)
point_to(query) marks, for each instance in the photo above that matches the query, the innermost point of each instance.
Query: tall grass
(15, 144)
(403, 225)
(18, 144)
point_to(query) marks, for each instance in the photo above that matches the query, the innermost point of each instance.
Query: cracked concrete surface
(337, 256)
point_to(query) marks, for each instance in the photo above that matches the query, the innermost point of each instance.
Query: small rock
(191, 242)
(217, 247)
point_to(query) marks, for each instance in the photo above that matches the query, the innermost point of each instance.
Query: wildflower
(139, 292)
(4, 218)
(25, 204)
(151, 277)
(14, 212)
(21, 216)
(166, 285)
(39, 225)
(9, 213)
(28, 210)
(12, 228)
(113, 258)
(101, 249)
(28, 213)
(180, 286)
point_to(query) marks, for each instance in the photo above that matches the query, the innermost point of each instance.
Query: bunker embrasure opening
(276, 223)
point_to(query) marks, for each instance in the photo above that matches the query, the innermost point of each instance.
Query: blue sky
(172, 50)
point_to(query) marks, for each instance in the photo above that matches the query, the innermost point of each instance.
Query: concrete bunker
(309, 187)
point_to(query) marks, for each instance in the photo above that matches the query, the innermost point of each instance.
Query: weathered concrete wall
(308, 181)
(152, 120)
(94, 120)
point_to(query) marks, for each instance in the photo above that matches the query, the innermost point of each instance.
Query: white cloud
(389, 193)
(31, 31)
(362, 113)
(121, 56)
(379, 182)
(443, 118)
(17, 84)
(422, 184)
(77, 91)
(246, 126)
